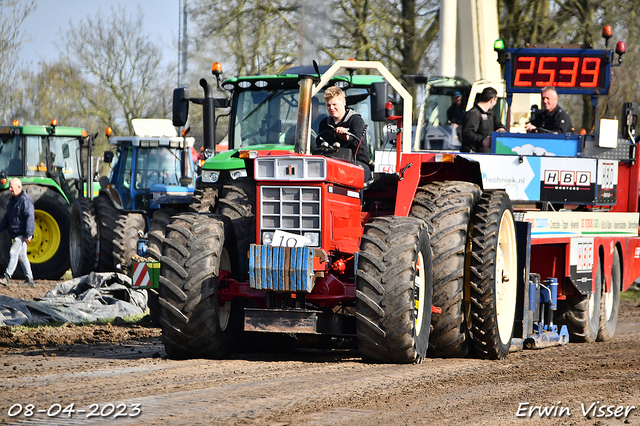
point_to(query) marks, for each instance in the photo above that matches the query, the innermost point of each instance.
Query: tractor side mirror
(378, 101)
(108, 157)
(180, 106)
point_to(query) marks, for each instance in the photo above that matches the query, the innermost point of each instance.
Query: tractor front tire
(448, 207)
(157, 228)
(204, 200)
(194, 324)
(83, 237)
(493, 276)
(125, 243)
(238, 203)
(394, 290)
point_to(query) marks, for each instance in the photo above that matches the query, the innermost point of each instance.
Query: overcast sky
(42, 27)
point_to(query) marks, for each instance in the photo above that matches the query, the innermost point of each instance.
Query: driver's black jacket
(557, 121)
(355, 124)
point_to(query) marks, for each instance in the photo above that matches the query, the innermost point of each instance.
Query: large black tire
(107, 218)
(394, 290)
(204, 200)
(493, 276)
(610, 302)
(238, 203)
(157, 228)
(49, 250)
(193, 324)
(581, 314)
(125, 243)
(83, 238)
(448, 207)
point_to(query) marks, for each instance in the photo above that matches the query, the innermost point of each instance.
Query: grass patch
(631, 294)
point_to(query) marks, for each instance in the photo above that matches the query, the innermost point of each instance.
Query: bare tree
(251, 36)
(115, 56)
(12, 16)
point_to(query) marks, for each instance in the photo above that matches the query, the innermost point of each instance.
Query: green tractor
(47, 159)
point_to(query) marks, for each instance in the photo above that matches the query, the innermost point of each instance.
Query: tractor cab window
(157, 165)
(36, 153)
(11, 155)
(125, 172)
(362, 107)
(265, 116)
(64, 152)
(270, 116)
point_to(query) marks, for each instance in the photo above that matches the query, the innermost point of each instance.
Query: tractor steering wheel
(333, 132)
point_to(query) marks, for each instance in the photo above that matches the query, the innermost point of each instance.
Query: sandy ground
(119, 374)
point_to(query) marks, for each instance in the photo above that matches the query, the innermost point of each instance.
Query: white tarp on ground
(89, 298)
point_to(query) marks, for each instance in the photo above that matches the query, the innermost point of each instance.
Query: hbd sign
(567, 178)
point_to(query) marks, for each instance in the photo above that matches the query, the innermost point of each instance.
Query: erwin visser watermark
(593, 410)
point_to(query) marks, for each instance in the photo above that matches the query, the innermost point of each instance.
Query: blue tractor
(151, 177)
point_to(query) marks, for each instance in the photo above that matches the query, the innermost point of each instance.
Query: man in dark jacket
(346, 127)
(479, 122)
(553, 119)
(19, 220)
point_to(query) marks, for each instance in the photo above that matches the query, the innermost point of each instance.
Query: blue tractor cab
(146, 171)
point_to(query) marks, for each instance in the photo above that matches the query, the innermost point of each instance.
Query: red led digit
(590, 66)
(573, 72)
(524, 71)
(550, 71)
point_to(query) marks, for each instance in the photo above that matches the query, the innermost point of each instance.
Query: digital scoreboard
(570, 71)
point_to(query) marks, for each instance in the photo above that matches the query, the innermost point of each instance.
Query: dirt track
(124, 366)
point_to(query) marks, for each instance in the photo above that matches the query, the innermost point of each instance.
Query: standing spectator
(19, 220)
(479, 122)
(553, 119)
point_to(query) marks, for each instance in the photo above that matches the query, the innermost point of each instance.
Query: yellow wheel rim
(46, 238)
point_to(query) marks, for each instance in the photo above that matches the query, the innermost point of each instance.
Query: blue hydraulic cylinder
(553, 286)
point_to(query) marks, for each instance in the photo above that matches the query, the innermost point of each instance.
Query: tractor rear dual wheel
(610, 302)
(107, 218)
(582, 314)
(448, 207)
(394, 290)
(83, 237)
(493, 276)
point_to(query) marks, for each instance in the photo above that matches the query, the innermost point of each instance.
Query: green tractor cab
(47, 161)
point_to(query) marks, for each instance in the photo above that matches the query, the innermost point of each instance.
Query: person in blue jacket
(19, 220)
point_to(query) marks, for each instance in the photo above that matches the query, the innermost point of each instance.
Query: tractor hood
(161, 194)
(229, 160)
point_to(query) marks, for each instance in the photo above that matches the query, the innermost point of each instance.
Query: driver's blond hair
(333, 92)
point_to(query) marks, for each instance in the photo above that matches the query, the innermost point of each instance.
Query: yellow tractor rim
(46, 238)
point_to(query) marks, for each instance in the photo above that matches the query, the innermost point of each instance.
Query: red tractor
(420, 259)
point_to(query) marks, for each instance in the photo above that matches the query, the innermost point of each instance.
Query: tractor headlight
(313, 239)
(267, 238)
(235, 174)
(210, 176)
